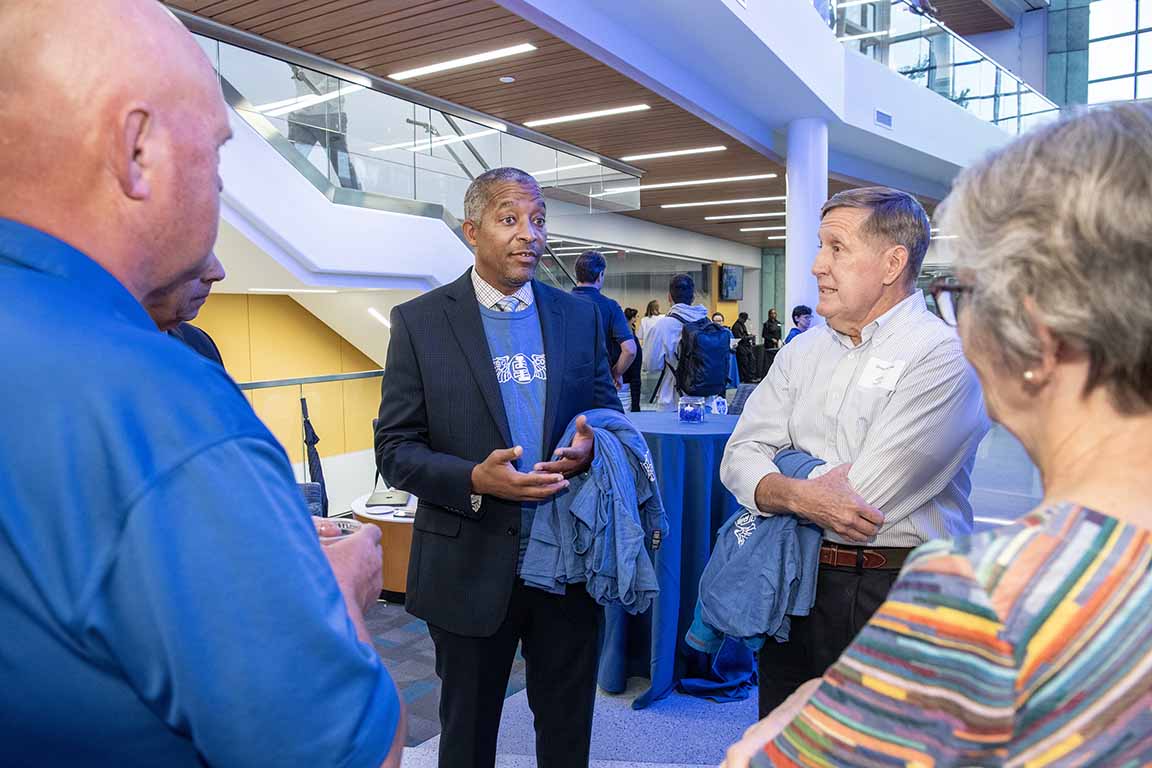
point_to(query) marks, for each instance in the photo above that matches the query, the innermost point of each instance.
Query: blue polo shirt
(163, 597)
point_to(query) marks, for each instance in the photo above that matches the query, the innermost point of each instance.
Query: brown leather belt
(881, 558)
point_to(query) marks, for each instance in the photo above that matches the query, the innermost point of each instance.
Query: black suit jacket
(441, 413)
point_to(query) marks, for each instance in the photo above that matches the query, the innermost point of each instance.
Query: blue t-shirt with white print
(517, 348)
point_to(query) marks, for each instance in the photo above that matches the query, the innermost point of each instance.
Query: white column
(807, 191)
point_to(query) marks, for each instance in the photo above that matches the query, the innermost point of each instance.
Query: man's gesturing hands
(498, 476)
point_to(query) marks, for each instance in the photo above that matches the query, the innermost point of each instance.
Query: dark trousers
(846, 598)
(634, 390)
(561, 647)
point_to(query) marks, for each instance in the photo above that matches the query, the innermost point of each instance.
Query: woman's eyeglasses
(949, 297)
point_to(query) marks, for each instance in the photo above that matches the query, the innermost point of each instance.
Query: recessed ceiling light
(779, 198)
(587, 115)
(507, 79)
(762, 229)
(673, 153)
(692, 183)
(372, 311)
(776, 237)
(292, 290)
(466, 61)
(945, 237)
(735, 216)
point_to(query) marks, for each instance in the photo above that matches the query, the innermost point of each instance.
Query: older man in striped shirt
(883, 395)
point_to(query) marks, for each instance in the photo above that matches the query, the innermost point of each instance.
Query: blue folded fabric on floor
(728, 674)
(762, 570)
(597, 531)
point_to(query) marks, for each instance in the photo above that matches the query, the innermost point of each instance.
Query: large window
(1119, 50)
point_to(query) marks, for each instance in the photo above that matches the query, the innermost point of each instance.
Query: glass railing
(362, 144)
(898, 34)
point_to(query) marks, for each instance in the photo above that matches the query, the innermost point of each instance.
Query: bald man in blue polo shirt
(164, 599)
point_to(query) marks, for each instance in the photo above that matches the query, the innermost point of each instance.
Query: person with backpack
(686, 350)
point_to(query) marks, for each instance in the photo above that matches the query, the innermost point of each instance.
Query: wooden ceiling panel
(386, 36)
(971, 17)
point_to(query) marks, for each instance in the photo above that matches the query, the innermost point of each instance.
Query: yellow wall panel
(279, 409)
(224, 317)
(352, 359)
(326, 410)
(288, 341)
(361, 405)
(273, 337)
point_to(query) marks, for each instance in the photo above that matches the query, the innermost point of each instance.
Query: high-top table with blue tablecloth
(687, 462)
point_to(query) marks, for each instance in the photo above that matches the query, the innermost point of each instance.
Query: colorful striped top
(1030, 645)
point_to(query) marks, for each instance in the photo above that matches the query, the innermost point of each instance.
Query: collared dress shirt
(493, 298)
(903, 407)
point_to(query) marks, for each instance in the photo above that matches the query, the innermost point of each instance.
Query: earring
(1029, 375)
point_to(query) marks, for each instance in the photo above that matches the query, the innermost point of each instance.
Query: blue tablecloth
(687, 461)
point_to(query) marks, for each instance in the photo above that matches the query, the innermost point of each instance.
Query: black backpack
(702, 358)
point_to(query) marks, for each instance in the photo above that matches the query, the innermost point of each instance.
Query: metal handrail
(311, 380)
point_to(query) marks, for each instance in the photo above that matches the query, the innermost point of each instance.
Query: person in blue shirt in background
(590, 268)
(164, 596)
(802, 319)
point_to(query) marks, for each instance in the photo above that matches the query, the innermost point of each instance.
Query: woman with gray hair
(1030, 644)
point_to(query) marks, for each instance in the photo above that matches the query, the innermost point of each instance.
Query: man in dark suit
(171, 307)
(483, 376)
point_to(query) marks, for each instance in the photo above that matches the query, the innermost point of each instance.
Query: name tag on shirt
(881, 374)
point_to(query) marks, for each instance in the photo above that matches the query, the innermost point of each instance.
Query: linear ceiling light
(586, 115)
(945, 237)
(673, 153)
(762, 229)
(288, 106)
(466, 61)
(776, 237)
(692, 183)
(379, 317)
(735, 216)
(292, 290)
(778, 198)
(559, 168)
(443, 141)
(865, 36)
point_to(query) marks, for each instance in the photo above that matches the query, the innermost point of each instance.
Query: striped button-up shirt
(490, 297)
(903, 407)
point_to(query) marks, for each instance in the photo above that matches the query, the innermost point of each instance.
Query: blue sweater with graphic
(517, 348)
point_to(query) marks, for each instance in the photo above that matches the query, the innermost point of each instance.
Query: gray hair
(896, 218)
(477, 198)
(1061, 220)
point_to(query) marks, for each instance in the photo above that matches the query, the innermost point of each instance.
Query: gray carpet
(407, 651)
(676, 731)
